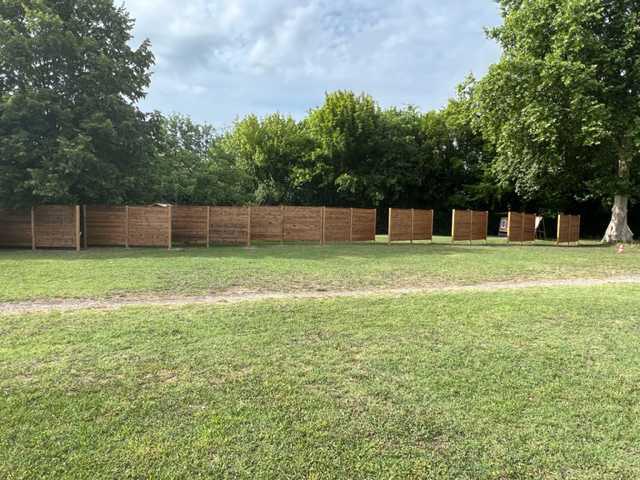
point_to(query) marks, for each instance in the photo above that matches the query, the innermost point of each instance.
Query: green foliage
(562, 106)
(69, 130)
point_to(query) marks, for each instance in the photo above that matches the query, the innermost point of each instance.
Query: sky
(218, 60)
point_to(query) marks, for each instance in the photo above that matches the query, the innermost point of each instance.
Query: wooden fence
(469, 225)
(410, 225)
(117, 226)
(568, 229)
(521, 227)
(45, 226)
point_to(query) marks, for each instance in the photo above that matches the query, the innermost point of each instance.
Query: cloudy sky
(220, 59)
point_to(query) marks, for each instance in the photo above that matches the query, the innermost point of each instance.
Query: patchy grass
(100, 273)
(536, 384)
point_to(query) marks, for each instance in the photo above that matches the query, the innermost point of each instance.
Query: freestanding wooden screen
(303, 224)
(190, 225)
(149, 226)
(105, 226)
(338, 224)
(363, 224)
(267, 223)
(15, 227)
(229, 225)
(521, 227)
(568, 229)
(469, 225)
(410, 224)
(56, 226)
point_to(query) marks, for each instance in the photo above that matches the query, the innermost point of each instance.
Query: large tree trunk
(618, 230)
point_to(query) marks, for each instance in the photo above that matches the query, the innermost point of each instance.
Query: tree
(562, 107)
(69, 82)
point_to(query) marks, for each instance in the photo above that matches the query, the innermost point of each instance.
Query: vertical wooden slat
(389, 231)
(323, 212)
(524, 218)
(470, 227)
(375, 223)
(77, 227)
(579, 223)
(558, 230)
(412, 224)
(282, 219)
(84, 225)
(208, 226)
(249, 226)
(351, 225)
(33, 228)
(169, 213)
(126, 226)
(453, 225)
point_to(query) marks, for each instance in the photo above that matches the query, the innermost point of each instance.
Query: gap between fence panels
(161, 225)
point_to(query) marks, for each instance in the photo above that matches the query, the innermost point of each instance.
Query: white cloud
(219, 59)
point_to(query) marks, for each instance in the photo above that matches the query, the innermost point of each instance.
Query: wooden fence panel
(106, 226)
(400, 224)
(189, 225)
(423, 224)
(521, 227)
(229, 225)
(363, 228)
(267, 223)
(337, 225)
(303, 224)
(469, 225)
(56, 226)
(15, 227)
(149, 226)
(568, 228)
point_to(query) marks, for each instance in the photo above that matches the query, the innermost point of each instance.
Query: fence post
(249, 226)
(283, 219)
(351, 225)
(524, 218)
(322, 211)
(208, 226)
(470, 227)
(33, 228)
(389, 231)
(579, 223)
(453, 226)
(77, 227)
(84, 226)
(169, 212)
(558, 229)
(126, 226)
(412, 227)
(375, 223)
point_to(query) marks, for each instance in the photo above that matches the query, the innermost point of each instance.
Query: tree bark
(618, 229)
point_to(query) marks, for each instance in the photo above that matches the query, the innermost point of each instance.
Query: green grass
(535, 384)
(113, 272)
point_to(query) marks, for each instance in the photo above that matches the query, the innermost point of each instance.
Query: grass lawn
(529, 384)
(111, 272)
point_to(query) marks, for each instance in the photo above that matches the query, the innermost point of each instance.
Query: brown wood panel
(229, 225)
(266, 223)
(189, 225)
(15, 227)
(400, 224)
(423, 224)
(568, 228)
(337, 225)
(521, 227)
(303, 224)
(55, 226)
(364, 225)
(106, 226)
(468, 225)
(149, 226)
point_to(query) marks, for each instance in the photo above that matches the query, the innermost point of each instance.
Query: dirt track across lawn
(238, 297)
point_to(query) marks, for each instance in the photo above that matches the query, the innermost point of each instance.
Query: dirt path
(226, 298)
